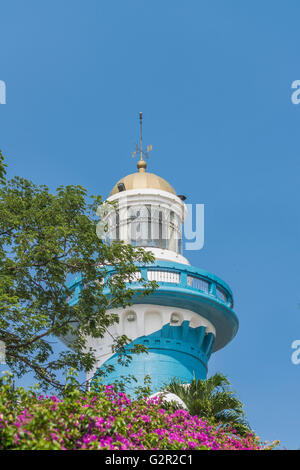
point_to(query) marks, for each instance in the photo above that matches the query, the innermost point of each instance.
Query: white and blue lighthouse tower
(190, 315)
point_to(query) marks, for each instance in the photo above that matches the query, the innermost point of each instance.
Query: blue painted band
(179, 352)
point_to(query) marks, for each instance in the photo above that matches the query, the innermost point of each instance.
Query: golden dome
(141, 179)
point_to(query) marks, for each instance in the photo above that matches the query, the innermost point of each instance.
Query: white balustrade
(163, 276)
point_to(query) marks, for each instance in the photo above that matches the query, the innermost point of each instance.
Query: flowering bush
(106, 419)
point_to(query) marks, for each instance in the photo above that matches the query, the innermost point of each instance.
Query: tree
(2, 168)
(214, 400)
(44, 238)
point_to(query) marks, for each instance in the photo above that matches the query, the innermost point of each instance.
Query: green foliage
(45, 237)
(2, 168)
(214, 400)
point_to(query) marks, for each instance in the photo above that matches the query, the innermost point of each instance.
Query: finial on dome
(141, 164)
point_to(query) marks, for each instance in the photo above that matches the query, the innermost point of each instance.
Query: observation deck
(187, 287)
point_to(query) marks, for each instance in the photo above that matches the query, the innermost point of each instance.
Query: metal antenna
(141, 134)
(142, 152)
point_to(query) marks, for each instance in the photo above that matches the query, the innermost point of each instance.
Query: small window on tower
(175, 319)
(131, 316)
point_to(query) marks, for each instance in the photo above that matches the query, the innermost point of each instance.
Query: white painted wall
(147, 319)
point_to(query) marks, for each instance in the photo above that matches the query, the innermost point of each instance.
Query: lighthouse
(189, 316)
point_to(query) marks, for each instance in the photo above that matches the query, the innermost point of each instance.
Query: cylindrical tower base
(180, 352)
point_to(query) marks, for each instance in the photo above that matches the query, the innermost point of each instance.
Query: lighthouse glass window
(164, 230)
(150, 226)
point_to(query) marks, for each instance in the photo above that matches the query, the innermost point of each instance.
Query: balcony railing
(191, 281)
(198, 283)
(208, 285)
(163, 276)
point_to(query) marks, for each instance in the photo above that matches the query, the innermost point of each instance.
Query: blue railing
(175, 274)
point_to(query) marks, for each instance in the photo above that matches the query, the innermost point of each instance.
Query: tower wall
(179, 344)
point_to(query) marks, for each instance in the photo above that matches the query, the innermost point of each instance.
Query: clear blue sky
(213, 79)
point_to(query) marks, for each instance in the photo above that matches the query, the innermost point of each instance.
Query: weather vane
(144, 153)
